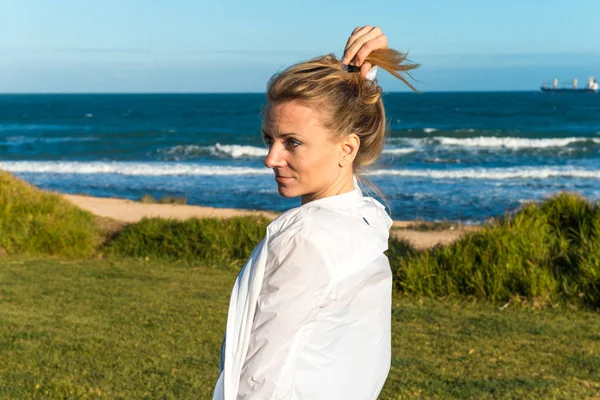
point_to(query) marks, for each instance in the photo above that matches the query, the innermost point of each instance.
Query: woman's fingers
(365, 68)
(361, 43)
(356, 33)
(380, 42)
(351, 39)
(356, 39)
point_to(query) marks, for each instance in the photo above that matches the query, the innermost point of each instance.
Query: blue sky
(235, 46)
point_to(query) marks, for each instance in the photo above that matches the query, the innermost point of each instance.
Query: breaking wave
(218, 150)
(237, 151)
(126, 168)
(183, 169)
(496, 173)
(512, 142)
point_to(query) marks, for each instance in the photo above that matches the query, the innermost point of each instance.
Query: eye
(292, 143)
(268, 141)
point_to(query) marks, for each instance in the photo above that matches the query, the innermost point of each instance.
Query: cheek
(318, 165)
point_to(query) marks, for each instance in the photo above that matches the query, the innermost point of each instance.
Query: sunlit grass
(33, 221)
(126, 329)
(547, 253)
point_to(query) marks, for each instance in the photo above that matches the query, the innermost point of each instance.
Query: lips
(280, 178)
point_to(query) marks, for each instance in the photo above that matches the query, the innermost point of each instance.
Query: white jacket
(310, 313)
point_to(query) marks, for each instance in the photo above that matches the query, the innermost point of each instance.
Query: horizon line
(257, 92)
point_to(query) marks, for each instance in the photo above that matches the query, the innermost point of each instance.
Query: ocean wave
(495, 173)
(495, 142)
(240, 151)
(396, 146)
(397, 151)
(512, 142)
(218, 150)
(175, 169)
(34, 127)
(18, 140)
(126, 168)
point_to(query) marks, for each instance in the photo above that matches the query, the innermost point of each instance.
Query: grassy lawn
(142, 329)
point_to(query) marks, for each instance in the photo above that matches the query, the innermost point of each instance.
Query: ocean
(450, 156)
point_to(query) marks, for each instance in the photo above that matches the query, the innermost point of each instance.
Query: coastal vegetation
(36, 222)
(546, 254)
(149, 199)
(221, 243)
(508, 311)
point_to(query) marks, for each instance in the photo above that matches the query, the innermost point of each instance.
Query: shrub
(210, 241)
(36, 222)
(548, 252)
(149, 199)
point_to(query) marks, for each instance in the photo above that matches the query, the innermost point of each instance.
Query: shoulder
(316, 223)
(336, 239)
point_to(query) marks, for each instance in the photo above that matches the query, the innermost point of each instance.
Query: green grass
(548, 253)
(149, 199)
(100, 329)
(36, 222)
(126, 329)
(222, 243)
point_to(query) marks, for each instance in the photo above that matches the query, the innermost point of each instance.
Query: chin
(287, 192)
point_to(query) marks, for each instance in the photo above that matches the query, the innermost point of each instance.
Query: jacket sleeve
(297, 282)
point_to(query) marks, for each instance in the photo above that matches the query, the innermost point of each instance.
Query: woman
(309, 316)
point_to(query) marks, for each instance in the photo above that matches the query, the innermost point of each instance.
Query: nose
(275, 157)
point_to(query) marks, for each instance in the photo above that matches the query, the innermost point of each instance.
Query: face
(304, 155)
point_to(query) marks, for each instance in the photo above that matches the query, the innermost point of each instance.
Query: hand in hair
(361, 43)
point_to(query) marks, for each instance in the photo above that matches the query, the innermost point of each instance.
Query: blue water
(456, 156)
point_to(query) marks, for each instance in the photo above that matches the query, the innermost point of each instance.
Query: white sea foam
(236, 151)
(495, 173)
(126, 168)
(218, 150)
(511, 142)
(182, 169)
(239, 151)
(397, 151)
(493, 142)
(242, 151)
(429, 130)
(407, 141)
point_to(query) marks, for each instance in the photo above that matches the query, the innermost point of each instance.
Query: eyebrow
(283, 135)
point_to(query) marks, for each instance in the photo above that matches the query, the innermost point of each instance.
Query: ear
(349, 146)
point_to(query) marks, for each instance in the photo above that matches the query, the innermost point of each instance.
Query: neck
(344, 183)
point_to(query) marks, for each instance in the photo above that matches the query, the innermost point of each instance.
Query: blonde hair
(352, 104)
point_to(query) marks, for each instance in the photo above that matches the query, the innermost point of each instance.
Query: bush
(211, 241)
(36, 222)
(547, 253)
(149, 199)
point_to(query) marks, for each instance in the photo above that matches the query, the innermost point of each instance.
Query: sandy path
(131, 211)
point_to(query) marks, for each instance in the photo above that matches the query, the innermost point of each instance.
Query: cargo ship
(591, 87)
